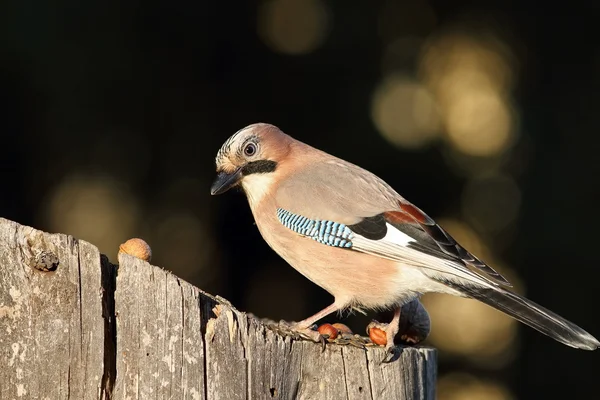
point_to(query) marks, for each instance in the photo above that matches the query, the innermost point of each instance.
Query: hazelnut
(137, 248)
(342, 328)
(378, 336)
(328, 330)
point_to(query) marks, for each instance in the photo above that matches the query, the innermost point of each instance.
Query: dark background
(112, 112)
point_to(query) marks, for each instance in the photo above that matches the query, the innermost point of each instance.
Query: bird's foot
(390, 330)
(303, 332)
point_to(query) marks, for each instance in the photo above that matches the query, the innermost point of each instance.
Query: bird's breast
(350, 276)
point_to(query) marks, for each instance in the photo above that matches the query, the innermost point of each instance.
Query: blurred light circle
(461, 386)
(98, 209)
(479, 123)
(471, 77)
(460, 60)
(491, 203)
(404, 112)
(293, 26)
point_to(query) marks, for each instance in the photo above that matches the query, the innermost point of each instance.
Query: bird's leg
(303, 328)
(390, 330)
(321, 314)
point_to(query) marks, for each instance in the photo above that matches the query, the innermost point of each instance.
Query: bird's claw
(323, 342)
(392, 351)
(391, 354)
(307, 333)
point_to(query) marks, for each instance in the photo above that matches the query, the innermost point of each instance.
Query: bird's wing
(343, 205)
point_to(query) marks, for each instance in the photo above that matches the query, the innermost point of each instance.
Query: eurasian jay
(349, 232)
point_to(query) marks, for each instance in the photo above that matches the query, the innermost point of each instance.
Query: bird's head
(250, 157)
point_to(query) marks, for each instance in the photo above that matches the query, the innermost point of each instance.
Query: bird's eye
(250, 149)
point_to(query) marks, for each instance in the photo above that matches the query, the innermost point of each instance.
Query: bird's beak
(225, 181)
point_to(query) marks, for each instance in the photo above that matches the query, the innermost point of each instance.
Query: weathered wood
(160, 351)
(85, 330)
(51, 325)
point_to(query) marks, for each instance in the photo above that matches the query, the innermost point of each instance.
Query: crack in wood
(109, 373)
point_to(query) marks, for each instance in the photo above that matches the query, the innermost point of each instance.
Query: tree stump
(75, 326)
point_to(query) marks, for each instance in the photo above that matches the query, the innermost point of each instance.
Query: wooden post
(71, 327)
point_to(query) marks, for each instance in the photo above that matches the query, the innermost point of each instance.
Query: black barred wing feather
(434, 239)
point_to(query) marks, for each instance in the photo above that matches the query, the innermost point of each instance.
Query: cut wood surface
(75, 326)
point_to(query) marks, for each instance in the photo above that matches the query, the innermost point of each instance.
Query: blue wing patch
(326, 232)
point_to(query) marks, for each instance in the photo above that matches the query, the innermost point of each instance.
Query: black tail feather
(530, 313)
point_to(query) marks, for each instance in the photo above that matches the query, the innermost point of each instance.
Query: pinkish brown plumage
(349, 232)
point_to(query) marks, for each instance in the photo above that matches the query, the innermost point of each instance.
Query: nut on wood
(328, 330)
(342, 328)
(378, 336)
(138, 248)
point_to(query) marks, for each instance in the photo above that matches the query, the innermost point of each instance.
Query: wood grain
(75, 326)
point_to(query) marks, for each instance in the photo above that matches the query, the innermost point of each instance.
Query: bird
(352, 234)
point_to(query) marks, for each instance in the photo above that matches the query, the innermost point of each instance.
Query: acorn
(328, 330)
(378, 336)
(138, 248)
(342, 328)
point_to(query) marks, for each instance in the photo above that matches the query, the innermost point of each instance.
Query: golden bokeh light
(491, 203)
(471, 79)
(479, 123)
(404, 112)
(462, 386)
(293, 26)
(97, 209)
(452, 61)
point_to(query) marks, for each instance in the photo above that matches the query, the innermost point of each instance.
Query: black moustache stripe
(259, 167)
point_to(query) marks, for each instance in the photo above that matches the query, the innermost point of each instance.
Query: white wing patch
(396, 236)
(395, 246)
